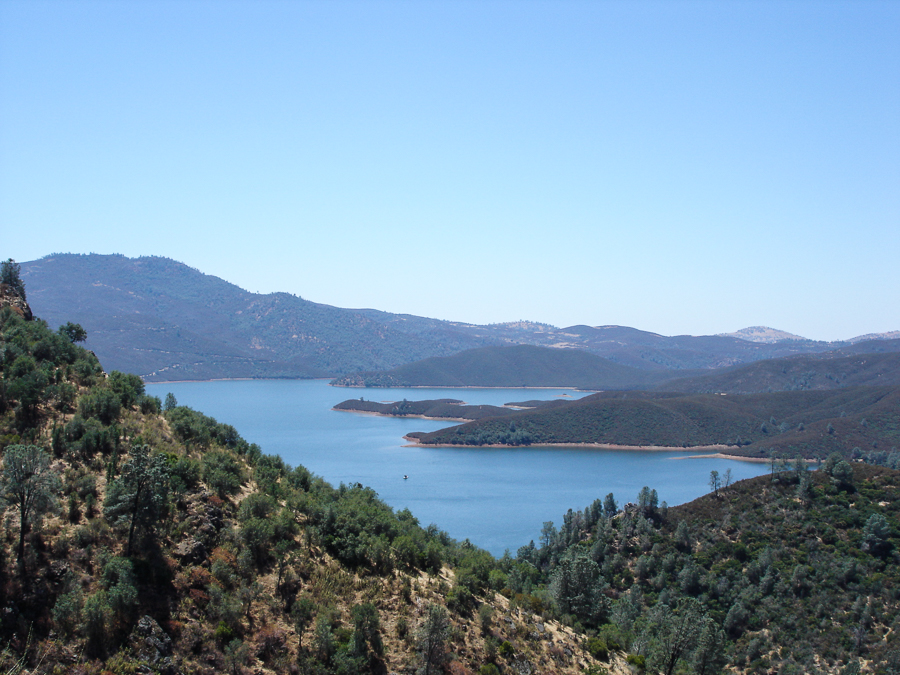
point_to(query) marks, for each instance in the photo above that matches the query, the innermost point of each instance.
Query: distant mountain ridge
(763, 334)
(164, 320)
(511, 366)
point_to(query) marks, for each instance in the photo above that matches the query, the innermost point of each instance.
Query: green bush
(221, 472)
(636, 660)
(597, 648)
(101, 404)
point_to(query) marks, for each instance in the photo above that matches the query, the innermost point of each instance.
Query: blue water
(498, 498)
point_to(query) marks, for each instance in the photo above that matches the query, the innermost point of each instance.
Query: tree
(610, 508)
(432, 638)
(842, 475)
(73, 332)
(29, 484)
(577, 587)
(673, 634)
(138, 495)
(366, 631)
(302, 612)
(648, 500)
(875, 535)
(709, 655)
(129, 388)
(727, 479)
(714, 482)
(10, 274)
(171, 403)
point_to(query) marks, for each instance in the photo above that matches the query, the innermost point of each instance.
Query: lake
(498, 498)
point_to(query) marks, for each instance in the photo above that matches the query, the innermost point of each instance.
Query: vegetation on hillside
(510, 366)
(445, 408)
(144, 536)
(166, 321)
(794, 572)
(855, 422)
(873, 363)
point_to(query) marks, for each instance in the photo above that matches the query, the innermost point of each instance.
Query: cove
(498, 498)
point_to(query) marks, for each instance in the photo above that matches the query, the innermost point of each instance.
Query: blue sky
(679, 167)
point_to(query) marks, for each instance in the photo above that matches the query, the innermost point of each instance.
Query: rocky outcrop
(10, 298)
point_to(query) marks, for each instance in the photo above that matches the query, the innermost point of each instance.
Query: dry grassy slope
(61, 547)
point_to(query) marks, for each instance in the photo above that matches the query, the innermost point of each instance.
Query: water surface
(498, 498)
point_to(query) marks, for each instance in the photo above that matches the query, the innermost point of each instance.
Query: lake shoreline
(451, 386)
(418, 417)
(413, 443)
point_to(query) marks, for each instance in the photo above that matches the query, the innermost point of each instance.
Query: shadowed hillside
(812, 424)
(166, 321)
(873, 363)
(518, 366)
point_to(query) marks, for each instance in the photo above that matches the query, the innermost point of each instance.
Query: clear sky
(679, 167)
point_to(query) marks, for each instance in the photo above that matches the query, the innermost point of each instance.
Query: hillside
(763, 334)
(152, 538)
(166, 321)
(156, 539)
(796, 572)
(515, 366)
(871, 363)
(812, 424)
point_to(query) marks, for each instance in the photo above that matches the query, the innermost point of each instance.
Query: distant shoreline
(419, 417)
(413, 443)
(453, 386)
(241, 379)
(349, 386)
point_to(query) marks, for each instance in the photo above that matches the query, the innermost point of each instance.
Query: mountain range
(166, 321)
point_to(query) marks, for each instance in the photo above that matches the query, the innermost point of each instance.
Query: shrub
(221, 472)
(597, 648)
(636, 660)
(101, 404)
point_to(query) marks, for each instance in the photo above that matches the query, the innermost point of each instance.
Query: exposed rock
(58, 570)
(191, 551)
(9, 298)
(151, 643)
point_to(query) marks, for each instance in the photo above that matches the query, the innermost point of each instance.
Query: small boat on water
(405, 476)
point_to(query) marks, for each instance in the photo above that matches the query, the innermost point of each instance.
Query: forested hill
(795, 572)
(853, 422)
(515, 366)
(145, 536)
(149, 537)
(166, 321)
(871, 363)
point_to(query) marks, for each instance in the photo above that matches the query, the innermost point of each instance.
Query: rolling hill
(167, 321)
(811, 424)
(514, 366)
(871, 363)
